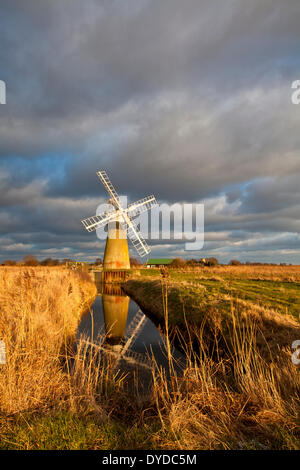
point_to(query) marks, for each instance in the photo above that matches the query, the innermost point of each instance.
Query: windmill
(120, 227)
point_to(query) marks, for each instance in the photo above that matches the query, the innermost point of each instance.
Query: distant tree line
(31, 260)
(211, 261)
(235, 262)
(181, 263)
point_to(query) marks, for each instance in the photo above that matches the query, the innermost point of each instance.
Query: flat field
(274, 287)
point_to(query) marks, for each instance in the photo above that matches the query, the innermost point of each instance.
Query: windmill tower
(120, 227)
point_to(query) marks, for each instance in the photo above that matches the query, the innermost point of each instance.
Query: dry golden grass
(40, 309)
(238, 401)
(241, 389)
(241, 402)
(259, 272)
(268, 273)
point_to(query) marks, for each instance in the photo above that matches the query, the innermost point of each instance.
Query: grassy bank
(240, 389)
(54, 398)
(40, 312)
(208, 298)
(274, 287)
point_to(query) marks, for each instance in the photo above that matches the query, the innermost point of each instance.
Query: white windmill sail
(122, 215)
(134, 329)
(141, 206)
(130, 356)
(97, 221)
(136, 238)
(109, 187)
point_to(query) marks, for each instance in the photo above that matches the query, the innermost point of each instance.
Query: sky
(189, 101)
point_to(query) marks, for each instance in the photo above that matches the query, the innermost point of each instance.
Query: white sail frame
(123, 215)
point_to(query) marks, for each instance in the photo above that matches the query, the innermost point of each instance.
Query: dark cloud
(270, 195)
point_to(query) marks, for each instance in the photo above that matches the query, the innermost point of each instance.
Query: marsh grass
(273, 287)
(40, 311)
(239, 401)
(53, 380)
(239, 389)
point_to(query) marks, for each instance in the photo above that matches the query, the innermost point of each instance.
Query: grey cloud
(272, 194)
(186, 100)
(69, 58)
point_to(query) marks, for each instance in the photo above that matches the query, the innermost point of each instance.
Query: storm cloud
(188, 100)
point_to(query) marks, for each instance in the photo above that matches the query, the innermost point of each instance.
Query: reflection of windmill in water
(120, 226)
(119, 339)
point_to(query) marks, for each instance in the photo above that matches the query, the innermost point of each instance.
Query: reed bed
(240, 388)
(237, 400)
(40, 309)
(48, 368)
(240, 401)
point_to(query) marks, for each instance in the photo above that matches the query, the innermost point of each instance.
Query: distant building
(82, 266)
(158, 262)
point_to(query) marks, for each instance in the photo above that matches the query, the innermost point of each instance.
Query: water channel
(128, 335)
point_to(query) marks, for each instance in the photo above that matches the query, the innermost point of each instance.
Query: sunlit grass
(40, 311)
(239, 389)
